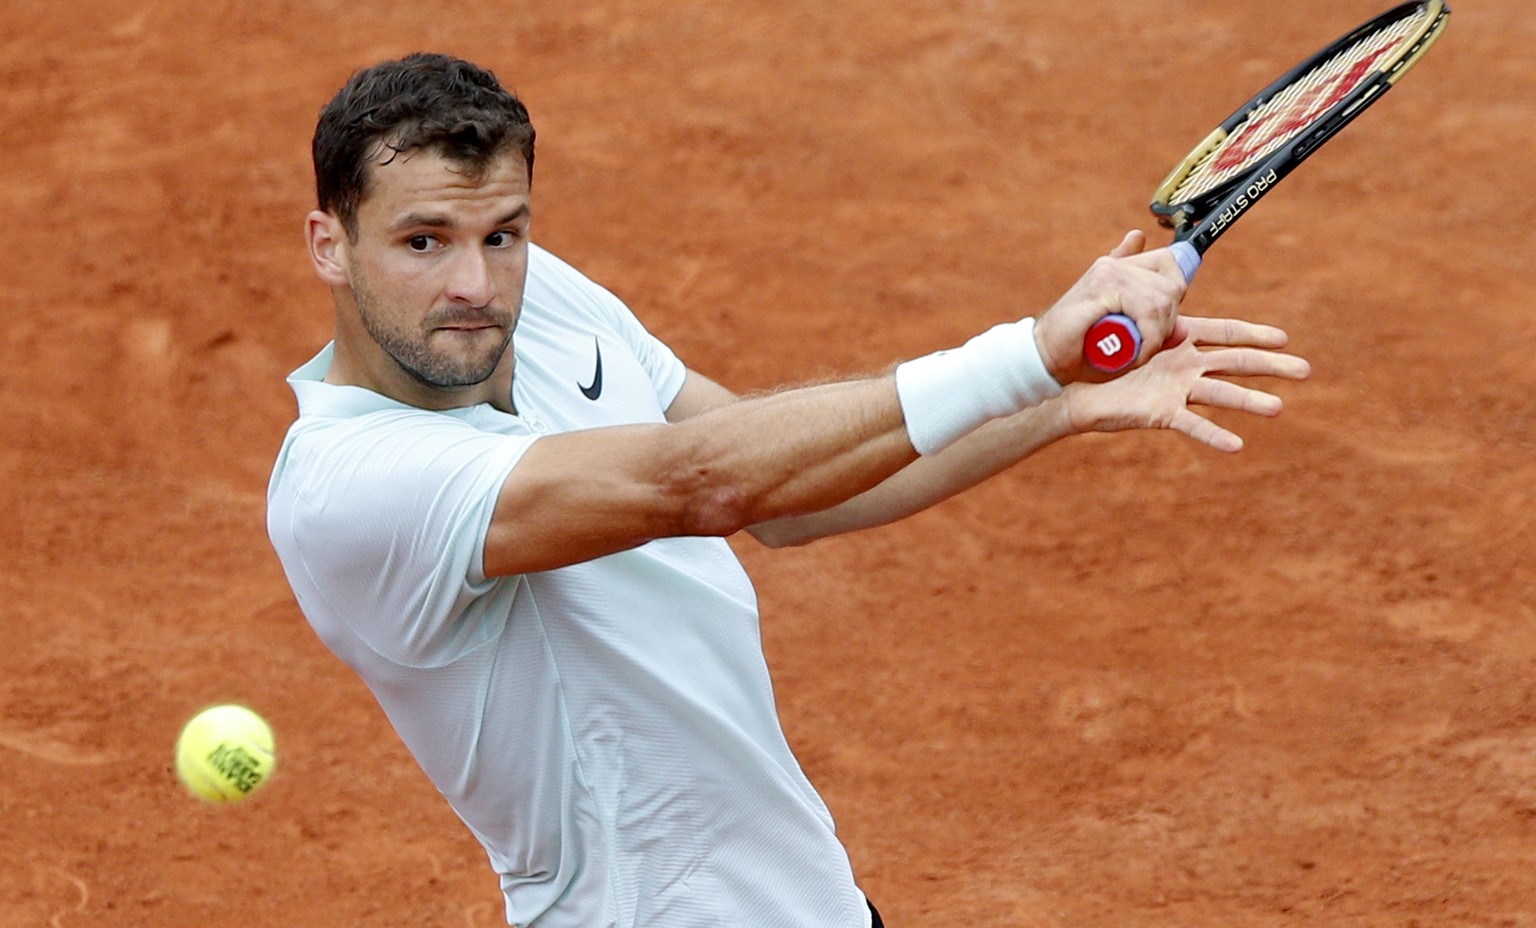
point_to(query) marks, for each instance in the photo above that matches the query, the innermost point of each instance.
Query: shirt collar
(316, 397)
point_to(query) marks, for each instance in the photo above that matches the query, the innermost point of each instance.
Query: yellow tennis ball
(225, 753)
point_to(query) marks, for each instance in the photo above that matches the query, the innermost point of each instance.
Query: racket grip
(1188, 257)
(1114, 342)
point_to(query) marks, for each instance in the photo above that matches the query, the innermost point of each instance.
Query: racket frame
(1203, 219)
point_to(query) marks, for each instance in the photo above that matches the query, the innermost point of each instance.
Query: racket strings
(1293, 110)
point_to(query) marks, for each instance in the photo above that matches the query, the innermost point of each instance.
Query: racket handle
(1188, 257)
(1113, 343)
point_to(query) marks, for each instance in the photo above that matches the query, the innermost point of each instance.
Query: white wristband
(949, 394)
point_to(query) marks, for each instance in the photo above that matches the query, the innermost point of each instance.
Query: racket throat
(1240, 202)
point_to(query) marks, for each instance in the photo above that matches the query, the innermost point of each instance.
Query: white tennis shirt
(608, 729)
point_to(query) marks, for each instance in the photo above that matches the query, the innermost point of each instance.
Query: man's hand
(1159, 394)
(1145, 285)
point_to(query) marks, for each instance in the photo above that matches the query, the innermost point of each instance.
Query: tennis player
(504, 504)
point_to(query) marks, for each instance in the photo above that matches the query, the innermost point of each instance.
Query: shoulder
(549, 274)
(556, 286)
(391, 455)
(361, 435)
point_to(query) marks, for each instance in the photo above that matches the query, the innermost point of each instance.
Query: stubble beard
(412, 354)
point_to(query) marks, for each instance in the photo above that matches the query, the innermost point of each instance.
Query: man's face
(438, 266)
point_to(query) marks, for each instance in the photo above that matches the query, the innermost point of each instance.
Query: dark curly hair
(422, 101)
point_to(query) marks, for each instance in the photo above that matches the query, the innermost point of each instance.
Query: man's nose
(470, 280)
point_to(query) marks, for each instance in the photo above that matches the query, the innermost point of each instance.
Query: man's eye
(501, 239)
(419, 243)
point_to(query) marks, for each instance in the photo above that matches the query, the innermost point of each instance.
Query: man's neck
(378, 372)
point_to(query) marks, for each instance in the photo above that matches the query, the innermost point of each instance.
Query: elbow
(715, 512)
(710, 508)
(707, 495)
(722, 513)
(713, 495)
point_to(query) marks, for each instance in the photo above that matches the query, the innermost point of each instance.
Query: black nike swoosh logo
(596, 389)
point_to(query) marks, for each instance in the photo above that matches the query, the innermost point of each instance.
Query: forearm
(579, 495)
(797, 451)
(929, 480)
(1159, 395)
(813, 453)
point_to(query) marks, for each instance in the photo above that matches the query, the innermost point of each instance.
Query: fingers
(1171, 385)
(1160, 260)
(1206, 432)
(1255, 362)
(1147, 286)
(1134, 243)
(1220, 393)
(1144, 285)
(1233, 332)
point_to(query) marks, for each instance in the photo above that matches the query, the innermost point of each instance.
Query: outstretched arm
(1158, 395)
(719, 467)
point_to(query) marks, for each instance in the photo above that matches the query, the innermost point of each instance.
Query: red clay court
(1131, 683)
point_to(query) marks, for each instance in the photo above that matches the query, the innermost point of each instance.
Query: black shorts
(875, 913)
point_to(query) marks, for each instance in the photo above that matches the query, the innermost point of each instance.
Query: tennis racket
(1260, 144)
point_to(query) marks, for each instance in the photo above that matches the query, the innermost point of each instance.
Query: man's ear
(327, 240)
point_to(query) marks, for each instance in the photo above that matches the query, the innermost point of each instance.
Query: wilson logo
(1273, 128)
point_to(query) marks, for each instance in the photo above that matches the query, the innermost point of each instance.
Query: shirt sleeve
(665, 370)
(390, 524)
